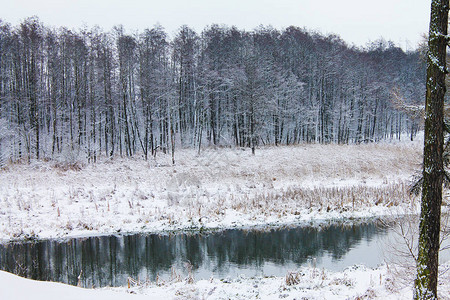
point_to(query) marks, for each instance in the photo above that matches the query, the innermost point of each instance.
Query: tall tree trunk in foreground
(433, 170)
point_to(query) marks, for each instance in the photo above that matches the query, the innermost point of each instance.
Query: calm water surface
(109, 260)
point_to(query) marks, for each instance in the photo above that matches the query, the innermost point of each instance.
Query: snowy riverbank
(356, 282)
(220, 188)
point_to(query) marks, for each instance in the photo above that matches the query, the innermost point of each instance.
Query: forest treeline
(80, 94)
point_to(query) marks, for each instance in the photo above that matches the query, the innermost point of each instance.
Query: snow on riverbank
(220, 188)
(13, 287)
(356, 282)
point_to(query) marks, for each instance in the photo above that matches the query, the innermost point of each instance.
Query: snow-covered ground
(220, 188)
(355, 282)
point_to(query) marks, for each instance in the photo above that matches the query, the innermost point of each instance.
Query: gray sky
(356, 21)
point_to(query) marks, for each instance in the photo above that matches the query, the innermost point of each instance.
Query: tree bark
(433, 170)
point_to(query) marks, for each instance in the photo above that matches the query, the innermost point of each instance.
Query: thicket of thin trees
(81, 94)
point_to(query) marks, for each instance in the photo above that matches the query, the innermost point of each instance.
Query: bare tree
(67, 92)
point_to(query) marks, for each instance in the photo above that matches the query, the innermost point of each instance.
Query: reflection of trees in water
(279, 246)
(109, 260)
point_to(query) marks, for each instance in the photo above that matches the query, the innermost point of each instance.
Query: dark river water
(109, 260)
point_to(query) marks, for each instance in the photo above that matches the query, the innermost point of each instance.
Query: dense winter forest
(80, 94)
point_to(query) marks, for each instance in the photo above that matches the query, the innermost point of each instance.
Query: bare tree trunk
(433, 170)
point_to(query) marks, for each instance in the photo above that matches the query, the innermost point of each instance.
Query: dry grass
(132, 194)
(297, 200)
(292, 278)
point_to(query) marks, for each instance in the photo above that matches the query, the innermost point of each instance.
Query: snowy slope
(13, 287)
